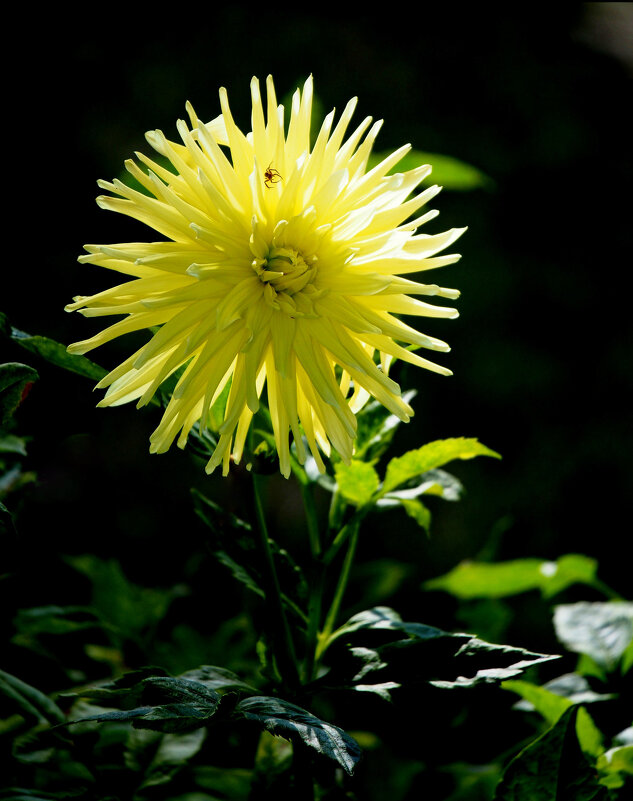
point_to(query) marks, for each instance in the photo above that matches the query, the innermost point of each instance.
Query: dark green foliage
(288, 720)
(552, 768)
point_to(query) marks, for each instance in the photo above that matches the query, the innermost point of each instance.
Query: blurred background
(537, 98)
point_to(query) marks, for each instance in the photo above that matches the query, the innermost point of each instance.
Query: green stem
(315, 603)
(317, 581)
(332, 615)
(284, 651)
(311, 519)
(345, 533)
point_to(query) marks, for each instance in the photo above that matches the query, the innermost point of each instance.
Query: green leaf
(448, 172)
(382, 618)
(431, 456)
(378, 644)
(434, 482)
(552, 706)
(510, 661)
(168, 704)
(376, 429)
(617, 760)
(29, 700)
(418, 511)
(218, 679)
(501, 579)
(15, 380)
(357, 482)
(552, 768)
(287, 720)
(172, 754)
(130, 609)
(602, 631)
(56, 353)
(12, 444)
(56, 620)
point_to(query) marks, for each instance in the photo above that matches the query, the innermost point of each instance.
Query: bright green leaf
(552, 706)
(431, 456)
(357, 482)
(418, 511)
(500, 579)
(617, 760)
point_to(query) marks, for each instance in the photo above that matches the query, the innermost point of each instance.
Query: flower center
(288, 278)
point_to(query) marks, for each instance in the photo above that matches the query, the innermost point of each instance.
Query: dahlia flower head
(279, 264)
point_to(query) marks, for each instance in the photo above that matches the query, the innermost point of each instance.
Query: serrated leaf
(602, 631)
(501, 579)
(218, 679)
(357, 482)
(435, 482)
(552, 768)
(517, 661)
(379, 644)
(431, 456)
(167, 704)
(56, 353)
(287, 720)
(382, 618)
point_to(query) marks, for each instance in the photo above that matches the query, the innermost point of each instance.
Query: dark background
(537, 99)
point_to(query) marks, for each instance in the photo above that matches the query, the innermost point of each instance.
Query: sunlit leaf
(431, 456)
(552, 706)
(287, 720)
(501, 579)
(357, 482)
(377, 646)
(602, 631)
(418, 511)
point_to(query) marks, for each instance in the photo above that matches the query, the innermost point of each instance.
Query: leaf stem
(285, 651)
(330, 621)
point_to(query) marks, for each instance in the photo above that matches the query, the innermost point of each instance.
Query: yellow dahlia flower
(280, 264)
